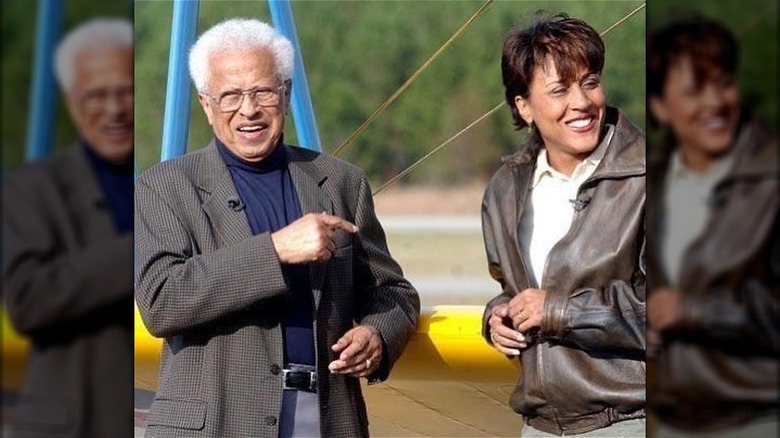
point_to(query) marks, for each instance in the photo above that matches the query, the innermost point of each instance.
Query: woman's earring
(530, 128)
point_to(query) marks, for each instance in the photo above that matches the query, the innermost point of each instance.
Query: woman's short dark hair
(710, 46)
(571, 44)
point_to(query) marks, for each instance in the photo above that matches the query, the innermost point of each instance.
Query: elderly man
(263, 265)
(68, 249)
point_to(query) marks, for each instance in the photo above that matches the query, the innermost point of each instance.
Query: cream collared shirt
(549, 210)
(686, 198)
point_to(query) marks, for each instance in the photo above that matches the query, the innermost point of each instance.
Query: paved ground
(411, 408)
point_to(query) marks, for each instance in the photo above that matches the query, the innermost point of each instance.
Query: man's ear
(658, 108)
(524, 110)
(205, 104)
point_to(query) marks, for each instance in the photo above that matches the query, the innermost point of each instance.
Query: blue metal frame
(43, 93)
(302, 110)
(176, 121)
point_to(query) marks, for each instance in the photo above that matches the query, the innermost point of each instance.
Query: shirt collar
(589, 164)
(679, 170)
(276, 160)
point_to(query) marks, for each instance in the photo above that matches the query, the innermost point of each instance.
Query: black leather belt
(300, 380)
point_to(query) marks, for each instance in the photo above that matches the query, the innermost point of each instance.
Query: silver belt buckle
(312, 380)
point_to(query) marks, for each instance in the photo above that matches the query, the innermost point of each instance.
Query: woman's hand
(526, 309)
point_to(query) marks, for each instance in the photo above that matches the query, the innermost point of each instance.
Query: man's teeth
(250, 128)
(580, 123)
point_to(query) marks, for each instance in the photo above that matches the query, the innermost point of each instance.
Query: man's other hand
(359, 350)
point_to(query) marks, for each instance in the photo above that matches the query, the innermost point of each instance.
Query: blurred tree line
(17, 42)
(754, 23)
(357, 53)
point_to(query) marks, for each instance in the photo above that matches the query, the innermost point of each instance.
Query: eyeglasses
(262, 96)
(94, 101)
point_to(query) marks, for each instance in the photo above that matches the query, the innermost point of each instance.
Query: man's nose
(117, 103)
(248, 107)
(114, 104)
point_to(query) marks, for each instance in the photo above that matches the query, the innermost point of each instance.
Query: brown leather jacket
(719, 365)
(586, 370)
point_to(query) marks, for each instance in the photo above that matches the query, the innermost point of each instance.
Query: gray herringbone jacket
(215, 293)
(68, 288)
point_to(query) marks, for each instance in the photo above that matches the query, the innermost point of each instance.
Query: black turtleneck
(117, 182)
(271, 203)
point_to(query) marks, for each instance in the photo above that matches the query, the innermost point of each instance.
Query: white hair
(98, 33)
(238, 34)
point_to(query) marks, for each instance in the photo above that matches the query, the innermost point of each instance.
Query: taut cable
(409, 169)
(389, 101)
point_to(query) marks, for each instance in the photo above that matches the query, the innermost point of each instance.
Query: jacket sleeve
(494, 265)
(741, 313)
(387, 301)
(178, 289)
(612, 318)
(48, 284)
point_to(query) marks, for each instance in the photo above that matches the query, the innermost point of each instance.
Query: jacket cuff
(554, 320)
(688, 314)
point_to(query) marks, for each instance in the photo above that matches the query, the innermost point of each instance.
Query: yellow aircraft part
(15, 350)
(447, 345)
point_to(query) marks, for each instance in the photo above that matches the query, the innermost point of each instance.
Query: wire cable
(389, 101)
(409, 169)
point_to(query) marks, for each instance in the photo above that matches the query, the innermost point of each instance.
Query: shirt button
(276, 369)
(270, 420)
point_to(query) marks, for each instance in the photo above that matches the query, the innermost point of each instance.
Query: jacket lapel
(308, 181)
(90, 208)
(221, 202)
(522, 165)
(621, 159)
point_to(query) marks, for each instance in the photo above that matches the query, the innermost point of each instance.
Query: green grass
(439, 254)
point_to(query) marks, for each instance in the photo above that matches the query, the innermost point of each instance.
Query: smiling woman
(572, 305)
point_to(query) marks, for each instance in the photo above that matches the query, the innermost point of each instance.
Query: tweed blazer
(68, 287)
(216, 294)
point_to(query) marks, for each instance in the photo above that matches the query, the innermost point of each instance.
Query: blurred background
(357, 53)
(713, 368)
(67, 221)
(754, 23)
(18, 38)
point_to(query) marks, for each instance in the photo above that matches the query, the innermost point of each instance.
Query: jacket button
(270, 420)
(276, 369)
